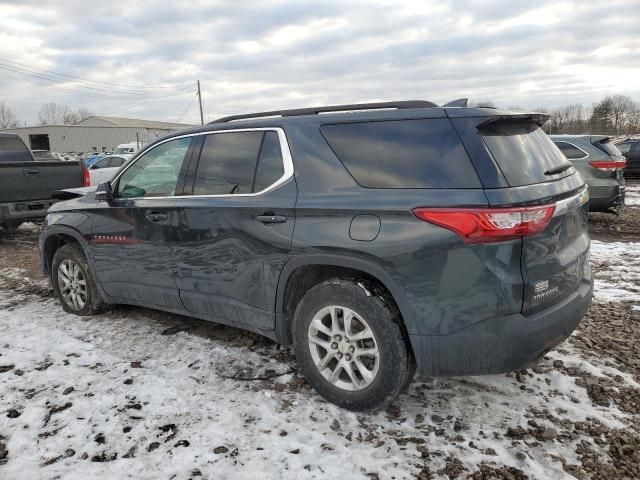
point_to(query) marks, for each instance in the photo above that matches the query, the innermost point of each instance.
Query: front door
(132, 234)
(234, 232)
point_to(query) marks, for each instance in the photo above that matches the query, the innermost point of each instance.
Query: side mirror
(104, 192)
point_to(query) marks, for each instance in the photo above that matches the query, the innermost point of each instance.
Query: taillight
(485, 225)
(609, 166)
(86, 179)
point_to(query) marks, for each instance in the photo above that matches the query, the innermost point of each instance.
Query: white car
(105, 168)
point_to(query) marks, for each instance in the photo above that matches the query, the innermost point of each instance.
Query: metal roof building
(97, 133)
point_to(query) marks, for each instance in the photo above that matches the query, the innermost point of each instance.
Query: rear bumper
(25, 210)
(604, 198)
(501, 344)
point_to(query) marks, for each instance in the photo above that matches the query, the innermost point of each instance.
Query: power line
(187, 109)
(145, 102)
(95, 81)
(55, 83)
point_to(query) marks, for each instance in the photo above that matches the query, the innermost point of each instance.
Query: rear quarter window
(570, 151)
(523, 152)
(425, 153)
(609, 148)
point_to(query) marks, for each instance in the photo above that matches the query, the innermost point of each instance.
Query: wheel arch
(335, 264)
(54, 238)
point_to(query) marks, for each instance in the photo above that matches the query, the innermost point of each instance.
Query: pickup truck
(27, 185)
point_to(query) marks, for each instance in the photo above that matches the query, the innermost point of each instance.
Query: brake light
(486, 225)
(86, 179)
(609, 166)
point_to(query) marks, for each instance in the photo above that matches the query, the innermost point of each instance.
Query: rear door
(554, 261)
(234, 231)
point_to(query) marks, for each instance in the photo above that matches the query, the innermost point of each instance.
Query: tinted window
(624, 147)
(13, 150)
(270, 166)
(403, 154)
(115, 162)
(104, 163)
(570, 151)
(609, 148)
(227, 163)
(523, 152)
(155, 174)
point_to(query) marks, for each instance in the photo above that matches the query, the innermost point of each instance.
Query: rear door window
(523, 152)
(570, 151)
(424, 153)
(227, 163)
(13, 150)
(270, 167)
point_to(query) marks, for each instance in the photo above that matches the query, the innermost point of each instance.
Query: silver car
(601, 164)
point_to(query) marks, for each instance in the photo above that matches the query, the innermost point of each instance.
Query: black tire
(94, 303)
(382, 318)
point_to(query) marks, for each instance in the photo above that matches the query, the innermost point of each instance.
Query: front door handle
(31, 172)
(269, 219)
(156, 217)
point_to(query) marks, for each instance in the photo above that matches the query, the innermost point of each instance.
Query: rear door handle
(31, 172)
(269, 219)
(156, 217)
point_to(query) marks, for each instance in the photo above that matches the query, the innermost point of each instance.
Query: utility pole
(200, 102)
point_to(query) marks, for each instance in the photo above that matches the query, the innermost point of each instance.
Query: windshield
(123, 150)
(523, 152)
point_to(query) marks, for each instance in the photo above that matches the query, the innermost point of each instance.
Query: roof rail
(402, 104)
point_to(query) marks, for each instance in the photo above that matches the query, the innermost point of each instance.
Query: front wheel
(349, 345)
(73, 283)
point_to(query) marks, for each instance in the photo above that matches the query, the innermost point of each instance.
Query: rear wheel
(73, 283)
(349, 345)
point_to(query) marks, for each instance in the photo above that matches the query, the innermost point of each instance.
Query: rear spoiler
(538, 118)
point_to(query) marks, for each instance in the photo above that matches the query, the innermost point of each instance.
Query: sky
(142, 59)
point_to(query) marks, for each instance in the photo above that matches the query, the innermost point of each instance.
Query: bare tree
(482, 104)
(621, 106)
(7, 117)
(84, 113)
(56, 114)
(633, 120)
(52, 114)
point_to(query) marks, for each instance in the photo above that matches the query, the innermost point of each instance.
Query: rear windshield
(424, 153)
(523, 152)
(12, 149)
(609, 148)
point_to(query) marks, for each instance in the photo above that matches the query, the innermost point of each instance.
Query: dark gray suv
(377, 239)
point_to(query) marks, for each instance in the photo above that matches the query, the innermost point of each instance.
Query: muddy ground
(597, 369)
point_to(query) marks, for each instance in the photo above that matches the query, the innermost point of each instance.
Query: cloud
(274, 54)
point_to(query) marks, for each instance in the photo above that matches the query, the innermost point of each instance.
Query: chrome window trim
(287, 162)
(586, 154)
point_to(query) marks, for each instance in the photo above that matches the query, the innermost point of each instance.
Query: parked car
(44, 155)
(127, 149)
(89, 161)
(630, 148)
(27, 184)
(447, 240)
(104, 168)
(600, 163)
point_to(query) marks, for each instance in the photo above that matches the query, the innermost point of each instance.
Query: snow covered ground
(141, 394)
(632, 195)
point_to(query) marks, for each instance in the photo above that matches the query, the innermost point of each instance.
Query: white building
(97, 133)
